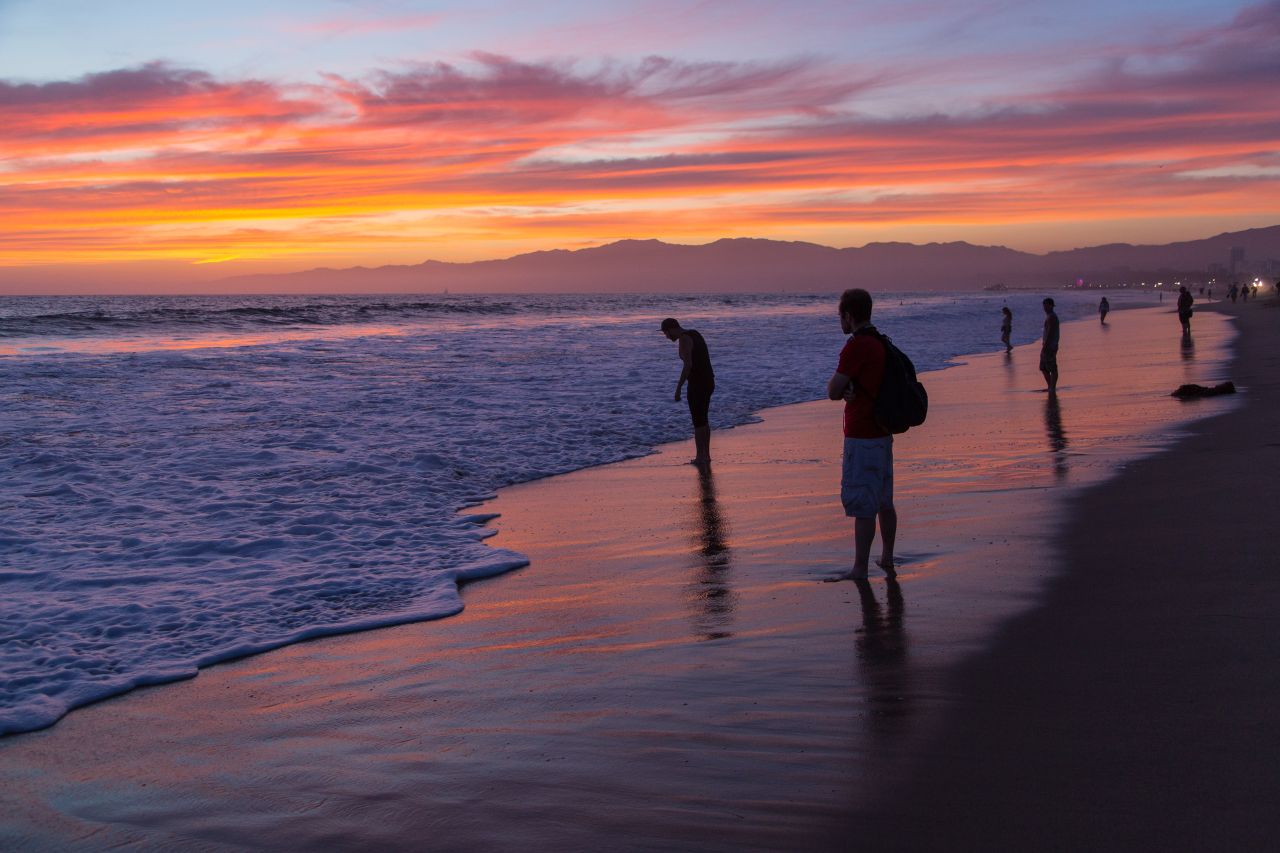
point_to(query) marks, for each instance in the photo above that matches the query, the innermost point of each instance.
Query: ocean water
(194, 479)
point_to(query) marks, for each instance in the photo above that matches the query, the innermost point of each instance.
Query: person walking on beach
(1185, 300)
(702, 384)
(1006, 328)
(1049, 347)
(866, 482)
(1103, 307)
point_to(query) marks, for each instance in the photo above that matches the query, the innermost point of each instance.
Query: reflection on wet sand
(1057, 436)
(1188, 347)
(710, 596)
(881, 646)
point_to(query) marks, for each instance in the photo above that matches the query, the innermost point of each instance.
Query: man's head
(1048, 304)
(855, 309)
(671, 328)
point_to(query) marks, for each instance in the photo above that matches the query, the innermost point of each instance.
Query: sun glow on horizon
(484, 154)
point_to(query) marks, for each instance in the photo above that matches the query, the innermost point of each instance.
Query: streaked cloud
(491, 152)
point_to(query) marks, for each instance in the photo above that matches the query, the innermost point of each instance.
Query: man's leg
(864, 533)
(702, 444)
(888, 535)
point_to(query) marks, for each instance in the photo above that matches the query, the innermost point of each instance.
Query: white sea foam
(191, 481)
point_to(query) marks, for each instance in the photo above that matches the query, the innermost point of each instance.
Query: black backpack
(902, 402)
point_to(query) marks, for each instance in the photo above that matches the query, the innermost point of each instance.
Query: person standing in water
(1185, 300)
(1049, 347)
(1006, 328)
(702, 384)
(1103, 307)
(866, 481)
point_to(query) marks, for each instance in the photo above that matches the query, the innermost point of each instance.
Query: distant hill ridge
(752, 264)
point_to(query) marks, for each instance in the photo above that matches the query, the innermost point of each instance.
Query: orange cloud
(446, 161)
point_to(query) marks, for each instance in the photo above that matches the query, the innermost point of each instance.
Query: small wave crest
(129, 316)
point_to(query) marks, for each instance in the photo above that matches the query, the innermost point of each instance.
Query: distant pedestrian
(1185, 300)
(702, 384)
(1103, 307)
(1049, 347)
(866, 483)
(1006, 328)
(1232, 292)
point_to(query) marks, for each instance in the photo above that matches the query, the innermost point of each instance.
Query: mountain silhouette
(755, 265)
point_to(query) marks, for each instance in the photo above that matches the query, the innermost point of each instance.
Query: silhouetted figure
(1006, 328)
(1057, 436)
(702, 384)
(712, 599)
(1049, 347)
(866, 483)
(1185, 300)
(1103, 307)
(1232, 292)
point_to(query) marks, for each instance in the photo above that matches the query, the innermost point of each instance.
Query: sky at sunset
(184, 141)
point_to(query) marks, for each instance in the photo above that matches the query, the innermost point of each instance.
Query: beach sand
(670, 672)
(1133, 709)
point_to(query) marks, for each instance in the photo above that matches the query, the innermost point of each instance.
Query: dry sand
(670, 672)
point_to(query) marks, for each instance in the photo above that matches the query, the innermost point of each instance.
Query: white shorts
(866, 482)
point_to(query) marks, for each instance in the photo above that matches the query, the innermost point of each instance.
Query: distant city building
(1237, 259)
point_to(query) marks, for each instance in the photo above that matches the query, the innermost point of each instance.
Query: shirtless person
(866, 482)
(1049, 347)
(702, 384)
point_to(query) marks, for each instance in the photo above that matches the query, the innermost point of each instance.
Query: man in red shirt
(866, 484)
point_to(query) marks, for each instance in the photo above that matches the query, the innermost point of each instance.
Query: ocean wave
(238, 318)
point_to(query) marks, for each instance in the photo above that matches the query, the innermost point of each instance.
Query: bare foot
(890, 568)
(851, 575)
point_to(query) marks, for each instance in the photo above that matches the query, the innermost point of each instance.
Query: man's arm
(839, 387)
(686, 356)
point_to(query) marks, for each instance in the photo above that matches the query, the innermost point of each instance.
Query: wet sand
(670, 672)
(1135, 709)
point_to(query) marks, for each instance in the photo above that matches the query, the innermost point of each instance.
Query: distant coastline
(747, 265)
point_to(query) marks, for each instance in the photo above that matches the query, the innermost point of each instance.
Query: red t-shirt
(862, 360)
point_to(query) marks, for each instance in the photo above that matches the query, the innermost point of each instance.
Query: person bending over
(701, 379)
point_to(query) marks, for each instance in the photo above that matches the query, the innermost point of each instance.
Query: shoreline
(668, 672)
(169, 672)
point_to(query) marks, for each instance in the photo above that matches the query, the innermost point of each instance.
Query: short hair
(1048, 301)
(857, 303)
(670, 323)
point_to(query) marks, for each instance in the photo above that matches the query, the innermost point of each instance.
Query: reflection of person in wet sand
(881, 646)
(1057, 436)
(711, 598)
(1049, 347)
